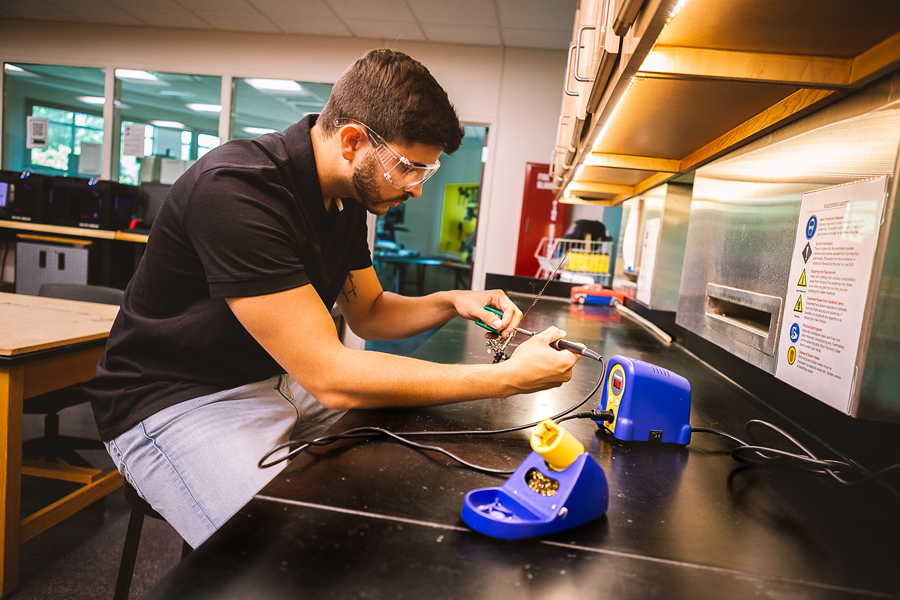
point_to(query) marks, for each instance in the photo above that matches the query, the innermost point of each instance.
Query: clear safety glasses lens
(401, 172)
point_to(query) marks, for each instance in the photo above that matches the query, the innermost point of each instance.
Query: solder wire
(536, 298)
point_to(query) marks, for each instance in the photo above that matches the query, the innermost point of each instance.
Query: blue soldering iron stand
(557, 487)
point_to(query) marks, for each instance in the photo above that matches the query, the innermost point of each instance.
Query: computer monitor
(21, 196)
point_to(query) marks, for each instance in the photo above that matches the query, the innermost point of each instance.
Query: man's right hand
(535, 366)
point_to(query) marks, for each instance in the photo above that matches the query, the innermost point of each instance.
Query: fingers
(552, 357)
(490, 318)
(538, 366)
(512, 316)
(550, 335)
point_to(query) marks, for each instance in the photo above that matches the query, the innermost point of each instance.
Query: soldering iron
(562, 344)
(559, 344)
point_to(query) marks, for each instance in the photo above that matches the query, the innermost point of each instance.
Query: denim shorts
(196, 462)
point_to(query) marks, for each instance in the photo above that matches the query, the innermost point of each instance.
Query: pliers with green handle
(485, 325)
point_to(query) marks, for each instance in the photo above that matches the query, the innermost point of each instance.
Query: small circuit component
(497, 347)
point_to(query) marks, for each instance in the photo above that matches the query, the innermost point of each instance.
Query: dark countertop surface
(374, 519)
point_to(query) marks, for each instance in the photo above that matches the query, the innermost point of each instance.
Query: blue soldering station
(648, 402)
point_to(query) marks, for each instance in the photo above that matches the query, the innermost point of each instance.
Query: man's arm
(374, 314)
(297, 330)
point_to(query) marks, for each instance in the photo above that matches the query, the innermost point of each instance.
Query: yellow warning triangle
(799, 306)
(802, 282)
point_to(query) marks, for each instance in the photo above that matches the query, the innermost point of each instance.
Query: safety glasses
(402, 173)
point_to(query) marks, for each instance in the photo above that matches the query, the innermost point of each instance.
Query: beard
(365, 181)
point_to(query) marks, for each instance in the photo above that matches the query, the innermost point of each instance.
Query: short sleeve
(363, 258)
(243, 231)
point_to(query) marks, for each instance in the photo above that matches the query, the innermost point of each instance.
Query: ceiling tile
(38, 10)
(558, 15)
(99, 12)
(456, 12)
(176, 19)
(392, 30)
(238, 22)
(283, 8)
(533, 38)
(520, 23)
(133, 5)
(462, 34)
(225, 6)
(386, 11)
(310, 25)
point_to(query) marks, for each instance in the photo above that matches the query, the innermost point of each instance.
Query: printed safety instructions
(831, 267)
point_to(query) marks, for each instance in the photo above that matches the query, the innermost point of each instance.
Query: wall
(513, 91)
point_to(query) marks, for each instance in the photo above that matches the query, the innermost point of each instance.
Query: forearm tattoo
(349, 288)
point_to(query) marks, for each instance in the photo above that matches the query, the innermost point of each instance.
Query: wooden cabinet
(657, 88)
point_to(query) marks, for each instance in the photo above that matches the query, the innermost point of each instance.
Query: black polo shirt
(247, 219)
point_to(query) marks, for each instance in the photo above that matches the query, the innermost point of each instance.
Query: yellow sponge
(558, 447)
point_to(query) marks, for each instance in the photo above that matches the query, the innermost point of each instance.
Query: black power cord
(594, 415)
(296, 447)
(756, 456)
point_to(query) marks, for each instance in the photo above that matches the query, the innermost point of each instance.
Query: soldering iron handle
(570, 346)
(575, 347)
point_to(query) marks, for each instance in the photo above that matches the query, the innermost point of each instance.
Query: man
(224, 346)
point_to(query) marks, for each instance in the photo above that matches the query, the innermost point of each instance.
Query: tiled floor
(78, 559)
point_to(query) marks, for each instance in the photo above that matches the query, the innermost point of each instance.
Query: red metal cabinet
(542, 216)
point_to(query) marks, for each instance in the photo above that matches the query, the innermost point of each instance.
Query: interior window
(166, 121)
(71, 100)
(262, 106)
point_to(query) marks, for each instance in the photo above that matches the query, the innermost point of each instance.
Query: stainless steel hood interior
(743, 222)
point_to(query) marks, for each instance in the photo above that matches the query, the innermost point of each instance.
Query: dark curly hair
(398, 98)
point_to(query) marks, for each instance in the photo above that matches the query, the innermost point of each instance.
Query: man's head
(390, 104)
(396, 97)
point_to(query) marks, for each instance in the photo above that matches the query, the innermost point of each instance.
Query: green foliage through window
(66, 132)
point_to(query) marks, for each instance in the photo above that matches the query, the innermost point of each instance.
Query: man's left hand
(471, 305)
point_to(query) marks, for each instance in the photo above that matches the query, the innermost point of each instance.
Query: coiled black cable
(756, 455)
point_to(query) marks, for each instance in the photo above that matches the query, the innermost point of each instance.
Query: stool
(139, 508)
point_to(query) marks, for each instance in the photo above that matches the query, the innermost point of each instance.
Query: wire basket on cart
(579, 261)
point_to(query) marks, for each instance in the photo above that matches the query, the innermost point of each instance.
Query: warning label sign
(831, 265)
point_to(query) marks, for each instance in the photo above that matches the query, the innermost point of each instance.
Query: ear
(352, 140)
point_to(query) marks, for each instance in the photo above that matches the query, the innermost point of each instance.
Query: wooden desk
(45, 344)
(373, 519)
(100, 234)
